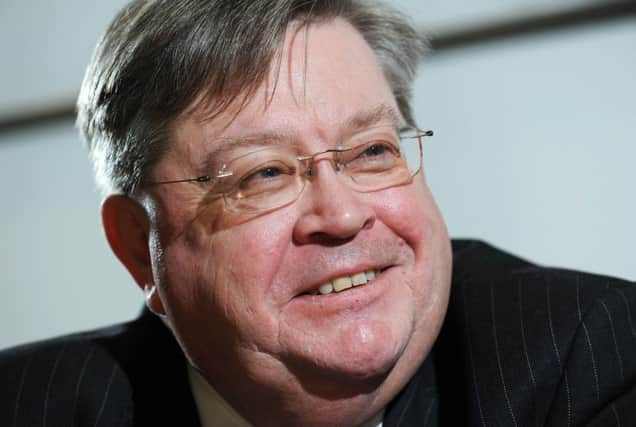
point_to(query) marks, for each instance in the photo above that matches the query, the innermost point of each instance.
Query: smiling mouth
(342, 283)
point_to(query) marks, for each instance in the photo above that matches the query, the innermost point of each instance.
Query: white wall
(533, 151)
(535, 145)
(45, 46)
(57, 271)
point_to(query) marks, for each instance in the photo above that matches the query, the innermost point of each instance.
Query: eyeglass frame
(224, 173)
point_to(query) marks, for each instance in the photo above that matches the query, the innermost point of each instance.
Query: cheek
(230, 269)
(411, 213)
(253, 251)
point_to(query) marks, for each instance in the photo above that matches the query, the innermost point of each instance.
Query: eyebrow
(379, 114)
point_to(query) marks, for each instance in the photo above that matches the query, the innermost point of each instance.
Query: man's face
(236, 288)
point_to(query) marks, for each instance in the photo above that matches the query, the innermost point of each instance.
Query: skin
(233, 287)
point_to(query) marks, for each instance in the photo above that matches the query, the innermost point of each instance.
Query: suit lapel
(157, 371)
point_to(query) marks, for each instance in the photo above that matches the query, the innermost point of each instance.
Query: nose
(331, 211)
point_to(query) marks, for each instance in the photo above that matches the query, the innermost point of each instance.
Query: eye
(376, 156)
(266, 173)
(377, 149)
(269, 172)
(264, 178)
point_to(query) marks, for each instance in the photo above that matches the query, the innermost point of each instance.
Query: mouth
(345, 282)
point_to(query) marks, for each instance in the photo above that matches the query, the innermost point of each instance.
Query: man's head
(236, 287)
(160, 59)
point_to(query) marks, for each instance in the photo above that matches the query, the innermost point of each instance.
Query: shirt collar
(215, 411)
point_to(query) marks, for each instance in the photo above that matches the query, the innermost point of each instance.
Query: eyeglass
(270, 178)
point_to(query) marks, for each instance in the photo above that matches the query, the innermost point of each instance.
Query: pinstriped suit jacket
(521, 346)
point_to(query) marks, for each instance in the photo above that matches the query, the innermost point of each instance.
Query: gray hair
(159, 56)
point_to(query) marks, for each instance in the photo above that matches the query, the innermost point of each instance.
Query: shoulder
(483, 273)
(106, 377)
(71, 380)
(544, 343)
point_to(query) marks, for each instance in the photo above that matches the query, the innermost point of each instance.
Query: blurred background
(533, 104)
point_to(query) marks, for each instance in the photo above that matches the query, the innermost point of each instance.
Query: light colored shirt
(214, 411)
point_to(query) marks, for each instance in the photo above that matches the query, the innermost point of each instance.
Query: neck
(308, 405)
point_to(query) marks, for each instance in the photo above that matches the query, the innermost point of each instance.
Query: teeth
(345, 282)
(327, 288)
(359, 279)
(342, 283)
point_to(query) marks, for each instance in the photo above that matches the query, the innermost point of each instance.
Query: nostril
(326, 239)
(368, 224)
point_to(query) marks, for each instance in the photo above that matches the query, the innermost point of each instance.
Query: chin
(361, 353)
(373, 365)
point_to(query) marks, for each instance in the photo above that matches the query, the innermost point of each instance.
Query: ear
(127, 226)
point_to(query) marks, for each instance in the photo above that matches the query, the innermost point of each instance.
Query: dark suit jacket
(521, 346)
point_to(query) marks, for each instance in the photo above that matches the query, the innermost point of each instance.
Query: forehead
(323, 80)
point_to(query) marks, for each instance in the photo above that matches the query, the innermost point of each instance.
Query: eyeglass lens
(274, 177)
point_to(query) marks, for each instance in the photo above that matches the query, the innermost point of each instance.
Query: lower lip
(352, 299)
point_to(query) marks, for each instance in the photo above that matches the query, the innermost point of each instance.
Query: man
(297, 269)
